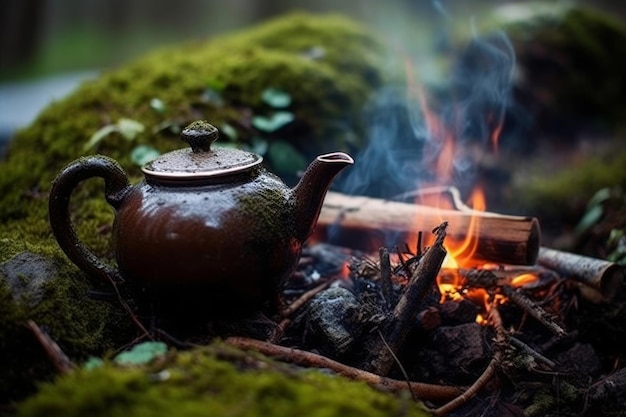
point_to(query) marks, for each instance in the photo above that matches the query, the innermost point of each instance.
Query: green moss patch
(215, 380)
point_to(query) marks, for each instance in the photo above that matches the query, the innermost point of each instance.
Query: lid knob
(199, 135)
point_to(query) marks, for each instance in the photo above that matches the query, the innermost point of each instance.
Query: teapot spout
(311, 190)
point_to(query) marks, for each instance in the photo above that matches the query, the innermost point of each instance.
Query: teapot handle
(116, 187)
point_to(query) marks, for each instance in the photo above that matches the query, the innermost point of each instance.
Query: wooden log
(367, 223)
(603, 275)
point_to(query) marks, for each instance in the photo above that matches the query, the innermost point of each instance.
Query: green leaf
(599, 197)
(92, 363)
(229, 131)
(158, 105)
(129, 128)
(143, 154)
(286, 159)
(276, 98)
(171, 125)
(141, 354)
(591, 217)
(614, 237)
(212, 97)
(259, 145)
(215, 84)
(99, 135)
(274, 122)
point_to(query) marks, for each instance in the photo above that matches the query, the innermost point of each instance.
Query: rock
(49, 292)
(26, 274)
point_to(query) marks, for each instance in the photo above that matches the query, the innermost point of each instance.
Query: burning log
(499, 238)
(605, 276)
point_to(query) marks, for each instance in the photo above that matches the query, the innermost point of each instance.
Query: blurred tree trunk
(20, 31)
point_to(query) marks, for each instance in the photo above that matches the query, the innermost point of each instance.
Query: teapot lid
(200, 161)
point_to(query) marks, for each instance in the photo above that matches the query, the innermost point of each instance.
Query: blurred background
(47, 47)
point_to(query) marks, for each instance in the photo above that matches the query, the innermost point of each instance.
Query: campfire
(468, 315)
(462, 307)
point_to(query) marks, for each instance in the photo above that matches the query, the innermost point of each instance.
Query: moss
(563, 195)
(214, 380)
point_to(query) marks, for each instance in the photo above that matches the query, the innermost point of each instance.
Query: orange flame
(463, 252)
(442, 143)
(524, 279)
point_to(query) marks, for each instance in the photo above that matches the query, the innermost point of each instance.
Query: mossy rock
(571, 62)
(327, 64)
(213, 380)
(47, 291)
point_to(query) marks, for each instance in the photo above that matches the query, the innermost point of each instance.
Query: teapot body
(223, 243)
(207, 230)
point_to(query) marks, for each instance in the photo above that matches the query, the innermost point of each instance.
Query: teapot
(208, 229)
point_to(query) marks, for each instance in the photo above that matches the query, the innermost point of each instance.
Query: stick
(385, 275)
(426, 392)
(381, 358)
(534, 310)
(364, 222)
(598, 273)
(59, 359)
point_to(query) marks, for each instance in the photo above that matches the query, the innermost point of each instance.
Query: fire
(523, 279)
(442, 150)
(462, 253)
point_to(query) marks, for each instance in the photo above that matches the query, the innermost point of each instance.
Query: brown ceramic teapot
(207, 228)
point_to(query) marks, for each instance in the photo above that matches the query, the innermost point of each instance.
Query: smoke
(411, 137)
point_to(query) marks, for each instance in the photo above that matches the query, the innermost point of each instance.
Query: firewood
(363, 223)
(384, 347)
(605, 276)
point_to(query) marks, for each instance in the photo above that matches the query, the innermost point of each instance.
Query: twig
(59, 359)
(399, 364)
(304, 298)
(423, 391)
(523, 346)
(293, 307)
(385, 276)
(129, 310)
(487, 374)
(380, 360)
(534, 310)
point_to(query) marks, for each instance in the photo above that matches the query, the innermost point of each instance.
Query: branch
(422, 391)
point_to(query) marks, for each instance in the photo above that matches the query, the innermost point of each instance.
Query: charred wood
(385, 348)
